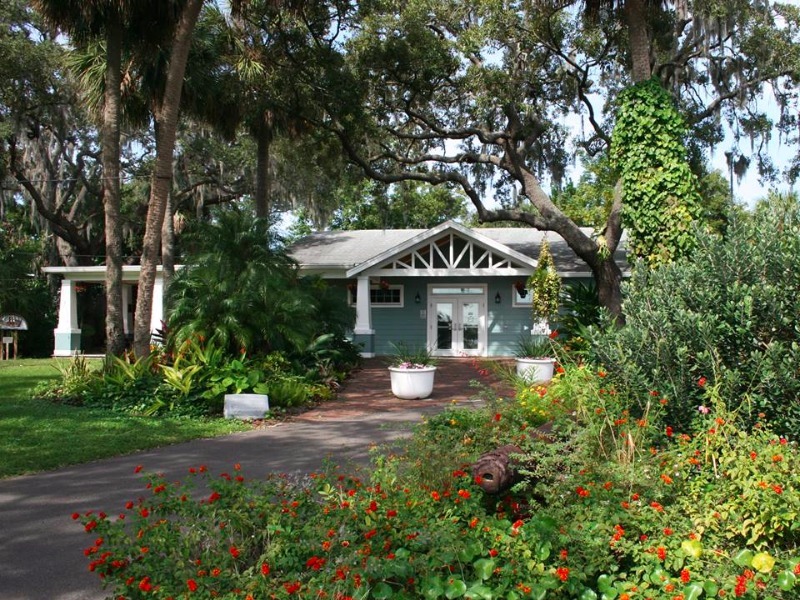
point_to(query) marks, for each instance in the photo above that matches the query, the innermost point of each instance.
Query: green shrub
(243, 288)
(77, 377)
(727, 315)
(580, 311)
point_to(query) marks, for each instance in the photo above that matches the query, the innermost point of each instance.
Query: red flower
(234, 551)
(562, 573)
(391, 513)
(192, 585)
(492, 552)
(137, 469)
(291, 588)
(264, 569)
(464, 494)
(76, 516)
(741, 586)
(371, 533)
(436, 496)
(661, 552)
(145, 585)
(668, 431)
(702, 382)
(685, 576)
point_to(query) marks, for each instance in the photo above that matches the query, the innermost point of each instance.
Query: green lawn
(37, 436)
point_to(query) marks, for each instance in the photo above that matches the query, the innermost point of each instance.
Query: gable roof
(508, 257)
(345, 253)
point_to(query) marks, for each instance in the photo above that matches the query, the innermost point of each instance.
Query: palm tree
(112, 21)
(166, 124)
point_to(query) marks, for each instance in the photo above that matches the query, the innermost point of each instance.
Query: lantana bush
(611, 505)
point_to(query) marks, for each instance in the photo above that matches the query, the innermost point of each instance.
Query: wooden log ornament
(496, 471)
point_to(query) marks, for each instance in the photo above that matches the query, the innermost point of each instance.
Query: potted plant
(535, 358)
(545, 286)
(411, 371)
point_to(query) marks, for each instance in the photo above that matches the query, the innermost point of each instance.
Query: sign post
(13, 323)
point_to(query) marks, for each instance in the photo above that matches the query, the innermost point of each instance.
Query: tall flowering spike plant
(545, 286)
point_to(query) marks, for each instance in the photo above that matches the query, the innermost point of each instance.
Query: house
(455, 290)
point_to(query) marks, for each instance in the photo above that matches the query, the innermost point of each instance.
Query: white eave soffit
(447, 249)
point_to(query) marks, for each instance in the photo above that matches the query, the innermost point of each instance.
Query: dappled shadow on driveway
(41, 550)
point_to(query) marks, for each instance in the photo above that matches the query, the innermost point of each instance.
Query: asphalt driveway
(41, 547)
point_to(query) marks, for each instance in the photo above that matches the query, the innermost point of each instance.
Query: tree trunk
(167, 118)
(262, 172)
(638, 39)
(608, 279)
(168, 244)
(115, 334)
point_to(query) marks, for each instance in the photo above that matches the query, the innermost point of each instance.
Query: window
(521, 298)
(381, 296)
(457, 291)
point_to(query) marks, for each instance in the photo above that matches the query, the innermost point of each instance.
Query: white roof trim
(426, 236)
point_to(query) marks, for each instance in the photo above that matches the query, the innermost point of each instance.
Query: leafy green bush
(580, 311)
(727, 315)
(77, 377)
(194, 379)
(242, 287)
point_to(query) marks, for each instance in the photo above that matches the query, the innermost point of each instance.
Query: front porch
(68, 330)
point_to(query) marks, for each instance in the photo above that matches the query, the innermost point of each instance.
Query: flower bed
(615, 506)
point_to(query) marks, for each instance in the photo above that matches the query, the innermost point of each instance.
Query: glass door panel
(470, 324)
(444, 326)
(457, 326)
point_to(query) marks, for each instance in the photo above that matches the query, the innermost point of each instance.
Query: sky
(750, 189)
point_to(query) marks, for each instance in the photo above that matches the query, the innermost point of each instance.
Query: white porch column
(127, 302)
(157, 313)
(363, 310)
(363, 333)
(67, 334)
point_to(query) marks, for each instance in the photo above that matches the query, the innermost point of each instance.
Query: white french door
(457, 323)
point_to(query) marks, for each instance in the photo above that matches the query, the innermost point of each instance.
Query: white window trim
(375, 286)
(517, 301)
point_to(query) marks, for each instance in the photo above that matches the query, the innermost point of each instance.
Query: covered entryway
(452, 318)
(457, 323)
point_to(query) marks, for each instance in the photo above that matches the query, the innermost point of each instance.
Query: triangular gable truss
(449, 249)
(452, 252)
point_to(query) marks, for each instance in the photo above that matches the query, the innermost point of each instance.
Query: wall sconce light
(497, 298)
(417, 298)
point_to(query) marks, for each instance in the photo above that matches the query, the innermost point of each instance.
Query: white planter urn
(536, 370)
(412, 384)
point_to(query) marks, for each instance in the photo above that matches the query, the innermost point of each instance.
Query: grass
(33, 432)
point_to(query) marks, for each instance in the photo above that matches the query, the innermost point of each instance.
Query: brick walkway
(368, 390)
